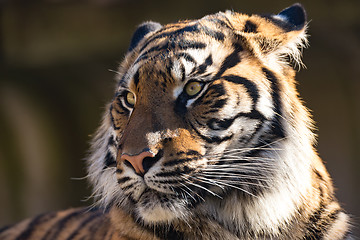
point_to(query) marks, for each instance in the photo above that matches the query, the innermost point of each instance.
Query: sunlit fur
(234, 161)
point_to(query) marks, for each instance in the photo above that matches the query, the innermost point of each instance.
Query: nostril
(147, 163)
(142, 162)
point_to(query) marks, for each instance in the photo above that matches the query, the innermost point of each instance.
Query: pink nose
(136, 161)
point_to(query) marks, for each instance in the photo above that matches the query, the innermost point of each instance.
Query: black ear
(292, 18)
(141, 31)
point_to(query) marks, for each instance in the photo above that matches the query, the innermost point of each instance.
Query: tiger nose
(137, 161)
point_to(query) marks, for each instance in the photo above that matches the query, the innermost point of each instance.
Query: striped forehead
(183, 51)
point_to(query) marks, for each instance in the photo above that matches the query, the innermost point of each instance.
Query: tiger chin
(205, 138)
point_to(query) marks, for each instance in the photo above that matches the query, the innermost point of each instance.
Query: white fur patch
(336, 231)
(176, 70)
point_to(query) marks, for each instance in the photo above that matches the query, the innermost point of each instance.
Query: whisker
(202, 187)
(239, 188)
(185, 191)
(238, 182)
(236, 168)
(232, 175)
(111, 70)
(242, 159)
(235, 152)
(192, 190)
(238, 162)
(209, 181)
(79, 178)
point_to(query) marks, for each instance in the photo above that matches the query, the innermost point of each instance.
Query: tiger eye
(193, 88)
(130, 99)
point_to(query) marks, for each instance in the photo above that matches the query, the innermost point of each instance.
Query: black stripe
(332, 216)
(168, 181)
(219, 103)
(214, 139)
(122, 180)
(127, 187)
(220, 22)
(165, 232)
(178, 170)
(180, 161)
(178, 34)
(167, 174)
(250, 27)
(100, 232)
(172, 45)
(83, 224)
(276, 127)
(186, 44)
(193, 152)
(118, 103)
(60, 225)
(215, 107)
(112, 118)
(318, 175)
(172, 34)
(183, 72)
(230, 61)
(125, 110)
(314, 230)
(34, 225)
(217, 35)
(169, 67)
(136, 78)
(186, 56)
(254, 94)
(202, 68)
(217, 90)
(109, 160)
(223, 124)
(248, 138)
(111, 141)
(250, 86)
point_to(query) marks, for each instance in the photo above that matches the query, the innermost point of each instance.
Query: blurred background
(55, 58)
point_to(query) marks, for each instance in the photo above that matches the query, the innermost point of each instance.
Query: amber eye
(130, 99)
(193, 88)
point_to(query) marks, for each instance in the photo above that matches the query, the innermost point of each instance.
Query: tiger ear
(141, 31)
(277, 35)
(292, 18)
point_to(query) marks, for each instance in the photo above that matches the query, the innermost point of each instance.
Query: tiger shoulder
(205, 138)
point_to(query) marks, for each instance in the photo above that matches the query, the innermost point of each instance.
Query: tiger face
(197, 114)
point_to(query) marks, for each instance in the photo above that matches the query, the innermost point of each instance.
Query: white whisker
(201, 187)
(231, 175)
(239, 188)
(192, 191)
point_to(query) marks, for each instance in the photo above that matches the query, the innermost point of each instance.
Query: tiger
(206, 137)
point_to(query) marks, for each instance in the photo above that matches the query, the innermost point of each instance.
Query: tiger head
(203, 113)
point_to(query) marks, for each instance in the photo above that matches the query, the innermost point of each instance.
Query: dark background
(55, 58)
